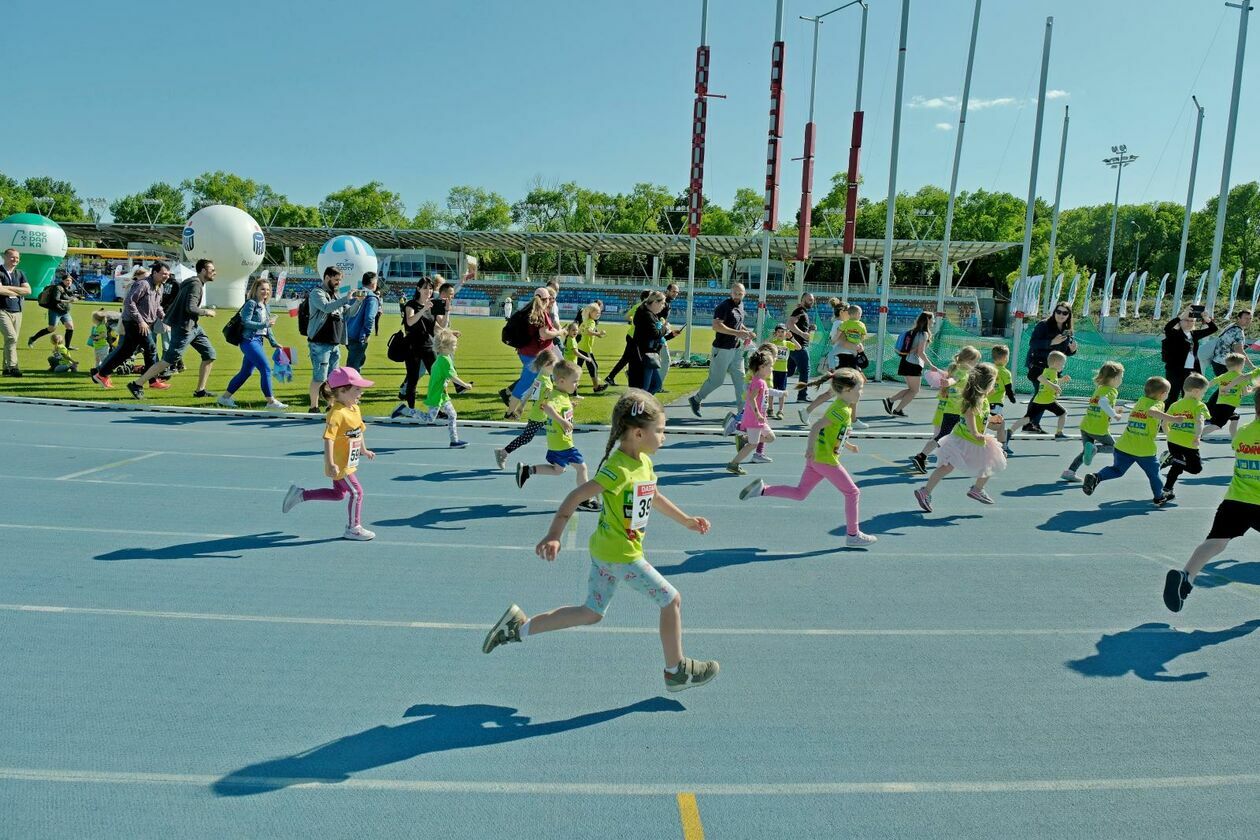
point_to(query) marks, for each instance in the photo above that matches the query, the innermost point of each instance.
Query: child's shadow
(707, 559)
(440, 727)
(1074, 521)
(212, 549)
(452, 475)
(1147, 649)
(888, 523)
(888, 475)
(692, 474)
(435, 518)
(1224, 572)
(1055, 488)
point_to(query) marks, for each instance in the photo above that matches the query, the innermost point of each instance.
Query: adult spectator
(1180, 349)
(727, 358)
(59, 303)
(553, 286)
(360, 321)
(141, 312)
(326, 330)
(256, 324)
(542, 334)
(1054, 333)
(13, 287)
(1231, 340)
(442, 307)
(911, 366)
(419, 325)
(507, 307)
(183, 320)
(801, 328)
(649, 337)
(627, 353)
(169, 290)
(671, 294)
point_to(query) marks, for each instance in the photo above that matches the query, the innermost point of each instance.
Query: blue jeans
(652, 379)
(255, 359)
(1120, 463)
(324, 357)
(528, 375)
(356, 354)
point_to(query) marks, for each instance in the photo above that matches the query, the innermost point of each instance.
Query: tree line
(1149, 233)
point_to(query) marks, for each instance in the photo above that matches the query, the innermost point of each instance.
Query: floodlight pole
(945, 274)
(855, 150)
(1054, 218)
(1119, 161)
(771, 206)
(1032, 196)
(1222, 201)
(1180, 284)
(889, 216)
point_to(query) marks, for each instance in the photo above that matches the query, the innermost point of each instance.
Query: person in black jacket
(1180, 349)
(649, 338)
(62, 296)
(1054, 333)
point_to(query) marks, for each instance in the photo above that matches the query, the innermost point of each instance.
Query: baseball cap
(780, 326)
(343, 376)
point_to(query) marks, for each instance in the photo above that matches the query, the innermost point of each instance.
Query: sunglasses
(1062, 312)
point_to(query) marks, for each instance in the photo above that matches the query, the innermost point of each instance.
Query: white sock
(677, 667)
(525, 629)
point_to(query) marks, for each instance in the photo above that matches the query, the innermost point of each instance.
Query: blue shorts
(180, 339)
(564, 457)
(324, 357)
(62, 317)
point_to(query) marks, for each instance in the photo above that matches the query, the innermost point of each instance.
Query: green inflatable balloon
(40, 241)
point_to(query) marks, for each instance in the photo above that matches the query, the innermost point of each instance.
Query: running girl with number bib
(627, 484)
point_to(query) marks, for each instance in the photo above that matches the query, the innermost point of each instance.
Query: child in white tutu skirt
(968, 447)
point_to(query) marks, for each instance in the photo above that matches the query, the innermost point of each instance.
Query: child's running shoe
(1068, 475)
(979, 495)
(103, 381)
(1091, 481)
(136, 390)
(695, 405)
(690, 674)
(736, 469)
(1006, 449)
(888, 409)
(759, 458)
(757, 488)
(507, 629)
(1160, 500)
(1176, 587)
(506, 396)
(924, 499)
(1060, 436)
(804, 415)
(1166, 461)
(359, 533)
(919, 462)
(522, 474)
(276, 406)
(591, 505)
(159, 384)
(778, 415)
(401, 411)
(859, 540)
(203, 394)
(861, 424)
(500, 457)
(1169, 495)
(459, 444)
(292, 499)
(729, 422)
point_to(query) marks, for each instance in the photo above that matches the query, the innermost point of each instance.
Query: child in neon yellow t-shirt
(557, 407)
(1096, 425)
(543, 365)
(1185, 431)
(1231, 387)
(626, 483)
(1046, 399)
(783, 345)
(1137, 444)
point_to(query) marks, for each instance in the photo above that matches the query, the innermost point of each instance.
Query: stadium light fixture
(1118, 161)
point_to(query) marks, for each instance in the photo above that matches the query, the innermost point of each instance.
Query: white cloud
(953, 103)
(934, 102)
(943, 126)
(1057, 94)
(1000, 102)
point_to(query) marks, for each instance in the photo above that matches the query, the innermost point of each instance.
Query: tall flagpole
(1179, 285)
(890, 216)
(1222, 200)
(1054, 219)
(945, 272)
(1032, 192)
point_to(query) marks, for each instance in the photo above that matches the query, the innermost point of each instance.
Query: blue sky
(314, 96)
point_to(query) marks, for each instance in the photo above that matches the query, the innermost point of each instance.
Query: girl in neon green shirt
(949, 403)
(627, 485)
(544, 363)
(968, 446)
(1137, 444)
(1096, 425)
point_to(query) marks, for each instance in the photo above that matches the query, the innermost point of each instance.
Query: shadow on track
(1147, 649)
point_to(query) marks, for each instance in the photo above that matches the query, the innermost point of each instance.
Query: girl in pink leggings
(343, 446)
(822, 454)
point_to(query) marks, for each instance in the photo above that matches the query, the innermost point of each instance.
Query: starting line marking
(25, 774)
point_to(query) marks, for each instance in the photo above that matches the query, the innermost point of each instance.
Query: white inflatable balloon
(352, 256)
(231, 239)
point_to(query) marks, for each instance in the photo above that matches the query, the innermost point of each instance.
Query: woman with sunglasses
(1054, 333)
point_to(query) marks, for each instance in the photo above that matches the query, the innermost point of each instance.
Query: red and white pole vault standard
(695, 199)
(770, 218)
(855, 150)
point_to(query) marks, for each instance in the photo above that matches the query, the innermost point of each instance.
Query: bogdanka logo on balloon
(29, 239)
(189, 239)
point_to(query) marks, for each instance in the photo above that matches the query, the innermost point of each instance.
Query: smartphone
(1197, 309)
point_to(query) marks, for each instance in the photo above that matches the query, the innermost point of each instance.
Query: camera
(1197, 309)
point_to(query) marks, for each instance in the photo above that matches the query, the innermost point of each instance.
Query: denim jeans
(1121, 461)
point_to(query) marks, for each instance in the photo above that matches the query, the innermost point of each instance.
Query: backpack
(516, 332)
(304, 314)
(46, 296)
(234, 329)
(905, 341)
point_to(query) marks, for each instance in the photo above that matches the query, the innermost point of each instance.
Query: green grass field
(482, 358)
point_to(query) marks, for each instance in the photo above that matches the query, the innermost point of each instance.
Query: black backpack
(46, 296)
(304, 314)
(516, 332)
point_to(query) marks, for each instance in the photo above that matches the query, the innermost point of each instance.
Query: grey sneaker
(292, 499)
(359, 533)
(1068, 475)
(736, 469)
(507, 629)
(226, 401)
(804, 415)
(694, 672)
(859, 540)
(500, 457)
(729, 422)
(759, 458)
(757, 488)
(924, 499)
(980, 496)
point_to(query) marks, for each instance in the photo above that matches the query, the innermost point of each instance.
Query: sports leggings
(342, 487)
(532, 428)
(814, 473)
(253, 360)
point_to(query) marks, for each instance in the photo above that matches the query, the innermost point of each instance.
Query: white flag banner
(1089, 293)
(1138, 294)
(1198, 290)
(1124, 295)
(1159, 297)
(1233, 292)
(1255, 292)
(1076, 282)
(1058, 290)
(1108, 287)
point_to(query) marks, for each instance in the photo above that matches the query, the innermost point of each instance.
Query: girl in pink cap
(343, 446)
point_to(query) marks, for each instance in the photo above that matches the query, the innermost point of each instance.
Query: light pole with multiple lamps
(1118, 161)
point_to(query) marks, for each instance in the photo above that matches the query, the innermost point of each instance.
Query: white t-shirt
(1190, 354)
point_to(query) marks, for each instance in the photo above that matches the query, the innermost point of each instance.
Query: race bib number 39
(641, 496)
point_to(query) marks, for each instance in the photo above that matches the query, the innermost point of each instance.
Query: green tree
(225, 188)
(367, 206)
(133, 209)
(474, 208)
(428, 216)
(66, 205)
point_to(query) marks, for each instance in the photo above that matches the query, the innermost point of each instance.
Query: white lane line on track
(109, 466)
(838, 632)
(670, 789)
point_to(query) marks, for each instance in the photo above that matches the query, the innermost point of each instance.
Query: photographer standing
(1180, 347)
(1054, 333)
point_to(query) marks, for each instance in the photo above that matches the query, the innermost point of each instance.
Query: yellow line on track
(689, 815)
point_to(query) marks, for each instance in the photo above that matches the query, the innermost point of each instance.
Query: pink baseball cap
(343, 376)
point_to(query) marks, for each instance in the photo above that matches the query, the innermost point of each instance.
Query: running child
(1046, 399)
(1185, 431)
(948, 403)
(570, 344)
(102, 337)
(588, 325)
(1003, 391)
(822, 454)
(543, 365)
(1231, 387)
(730, 423)
(60, 360)
(968, 446)
(783, 345)
(754, 426)
(440, 375)
(1238, 513)
(1096, 424)
(343, 446)
(1137, 444)
(627, 484)
(557, 407)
